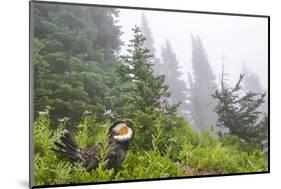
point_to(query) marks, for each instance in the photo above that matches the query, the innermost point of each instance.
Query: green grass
(187, 153)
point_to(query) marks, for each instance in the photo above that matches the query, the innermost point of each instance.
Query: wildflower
(48, 107)
(61, 120)
(86, 112)
(43, 113)
(162, 102)
(108, 113)
(64, 119)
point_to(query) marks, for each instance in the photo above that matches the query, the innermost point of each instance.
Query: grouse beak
(114, 133)
(120, 133)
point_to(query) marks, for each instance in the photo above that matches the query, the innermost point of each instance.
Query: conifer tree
(146, 96)
(149, 44)
(203, 86)
(73, 56)
(252, 83)
(238, 113)
(173, 77)
(146, 89)
(193, 105)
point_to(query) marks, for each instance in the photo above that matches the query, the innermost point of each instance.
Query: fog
(241, 40)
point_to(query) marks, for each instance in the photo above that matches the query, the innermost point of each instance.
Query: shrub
(171, 153)
(51, 168)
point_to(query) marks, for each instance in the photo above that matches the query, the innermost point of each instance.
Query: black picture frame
(31, 88)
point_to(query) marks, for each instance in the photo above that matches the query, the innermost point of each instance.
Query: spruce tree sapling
(145, 95)
(146, 90)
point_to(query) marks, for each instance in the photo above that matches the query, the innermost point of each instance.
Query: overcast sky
(241, 39)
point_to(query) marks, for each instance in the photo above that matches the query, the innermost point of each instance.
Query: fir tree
(252, 83)
(74, 54)
(193, 105)
(173, 77)
(146, 96)
(203, 86)
(136, 71)
(148, 43)
(238, 113)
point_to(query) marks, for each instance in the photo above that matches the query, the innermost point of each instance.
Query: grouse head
(122, 131)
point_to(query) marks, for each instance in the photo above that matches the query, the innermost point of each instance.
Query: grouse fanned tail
(120, 137)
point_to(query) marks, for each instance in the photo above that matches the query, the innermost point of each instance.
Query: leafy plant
(186, 153)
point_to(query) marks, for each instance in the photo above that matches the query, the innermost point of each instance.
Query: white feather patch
(122, 137)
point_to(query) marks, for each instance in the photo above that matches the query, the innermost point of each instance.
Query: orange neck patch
(123, 131)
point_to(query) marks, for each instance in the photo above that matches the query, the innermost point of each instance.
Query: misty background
(239, 43)
(242, 40)
(192, 51)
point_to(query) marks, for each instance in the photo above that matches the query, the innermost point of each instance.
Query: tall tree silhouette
(202, 86)
(148, 43)
(173, 77)
(252, 83)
